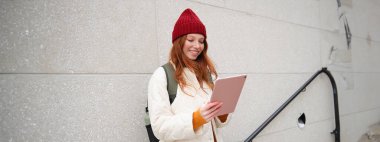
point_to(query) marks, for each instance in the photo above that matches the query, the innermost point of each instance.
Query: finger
(210, 105)
(207, 116)
(211, 111)
(215, 107)
(207, 107)
(213, 114)
(220, 104)
(206, 112)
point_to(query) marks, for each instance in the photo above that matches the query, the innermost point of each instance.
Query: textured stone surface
(78, 71)
(335, 53)
(292, 11)
(317, 131)
(328, 15)
(72, 107)
(77, 37)
(366, 55)
(354, 125)
(364, 19)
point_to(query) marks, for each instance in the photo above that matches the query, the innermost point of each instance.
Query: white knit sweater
(174, 122)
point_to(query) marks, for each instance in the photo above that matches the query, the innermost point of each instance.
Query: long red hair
(202, 66)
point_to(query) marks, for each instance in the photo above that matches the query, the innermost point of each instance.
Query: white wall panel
(320, 131)
(366, 91)
(220, 3)
(366, 55)
(364, 18)
(291, 11)
(313, 132)
(335, 54)
(353, 126)
(78, 37)
(329, 15)
(73, 107)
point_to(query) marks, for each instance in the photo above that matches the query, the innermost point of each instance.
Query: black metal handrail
(336, 132)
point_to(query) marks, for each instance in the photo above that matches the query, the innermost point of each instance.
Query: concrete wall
(78, 70)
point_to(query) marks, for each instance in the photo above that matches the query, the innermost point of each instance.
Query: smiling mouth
(194, 52)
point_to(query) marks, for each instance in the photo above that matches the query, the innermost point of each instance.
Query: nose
(197, 45)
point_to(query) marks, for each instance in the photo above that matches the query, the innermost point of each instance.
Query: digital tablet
(227, 90)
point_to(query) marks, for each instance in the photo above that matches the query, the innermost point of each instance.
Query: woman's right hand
(210, 110)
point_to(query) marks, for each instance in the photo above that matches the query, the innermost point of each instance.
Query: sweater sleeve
(198, 120)
(166, 125)
(223, 118)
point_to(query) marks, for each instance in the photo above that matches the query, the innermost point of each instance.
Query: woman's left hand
(209, 111)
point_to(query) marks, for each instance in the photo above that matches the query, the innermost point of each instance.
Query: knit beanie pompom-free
(188, 22)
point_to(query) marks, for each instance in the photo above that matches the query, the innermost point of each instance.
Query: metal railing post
(336, 132)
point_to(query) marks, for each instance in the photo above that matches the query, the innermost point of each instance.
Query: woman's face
(193, 46)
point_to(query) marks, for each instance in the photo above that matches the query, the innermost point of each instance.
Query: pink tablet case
(228, 90)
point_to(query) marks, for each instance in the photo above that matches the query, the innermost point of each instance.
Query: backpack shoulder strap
(172, 84)
(210, 77)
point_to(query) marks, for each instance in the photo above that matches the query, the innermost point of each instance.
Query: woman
(190, 117)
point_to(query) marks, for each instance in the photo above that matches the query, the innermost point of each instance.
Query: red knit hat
(188, 23)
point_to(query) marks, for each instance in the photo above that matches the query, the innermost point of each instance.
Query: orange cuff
(198, 120)
(223, 118)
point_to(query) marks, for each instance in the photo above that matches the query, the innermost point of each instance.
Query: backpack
(172, 90)
(172, 86)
